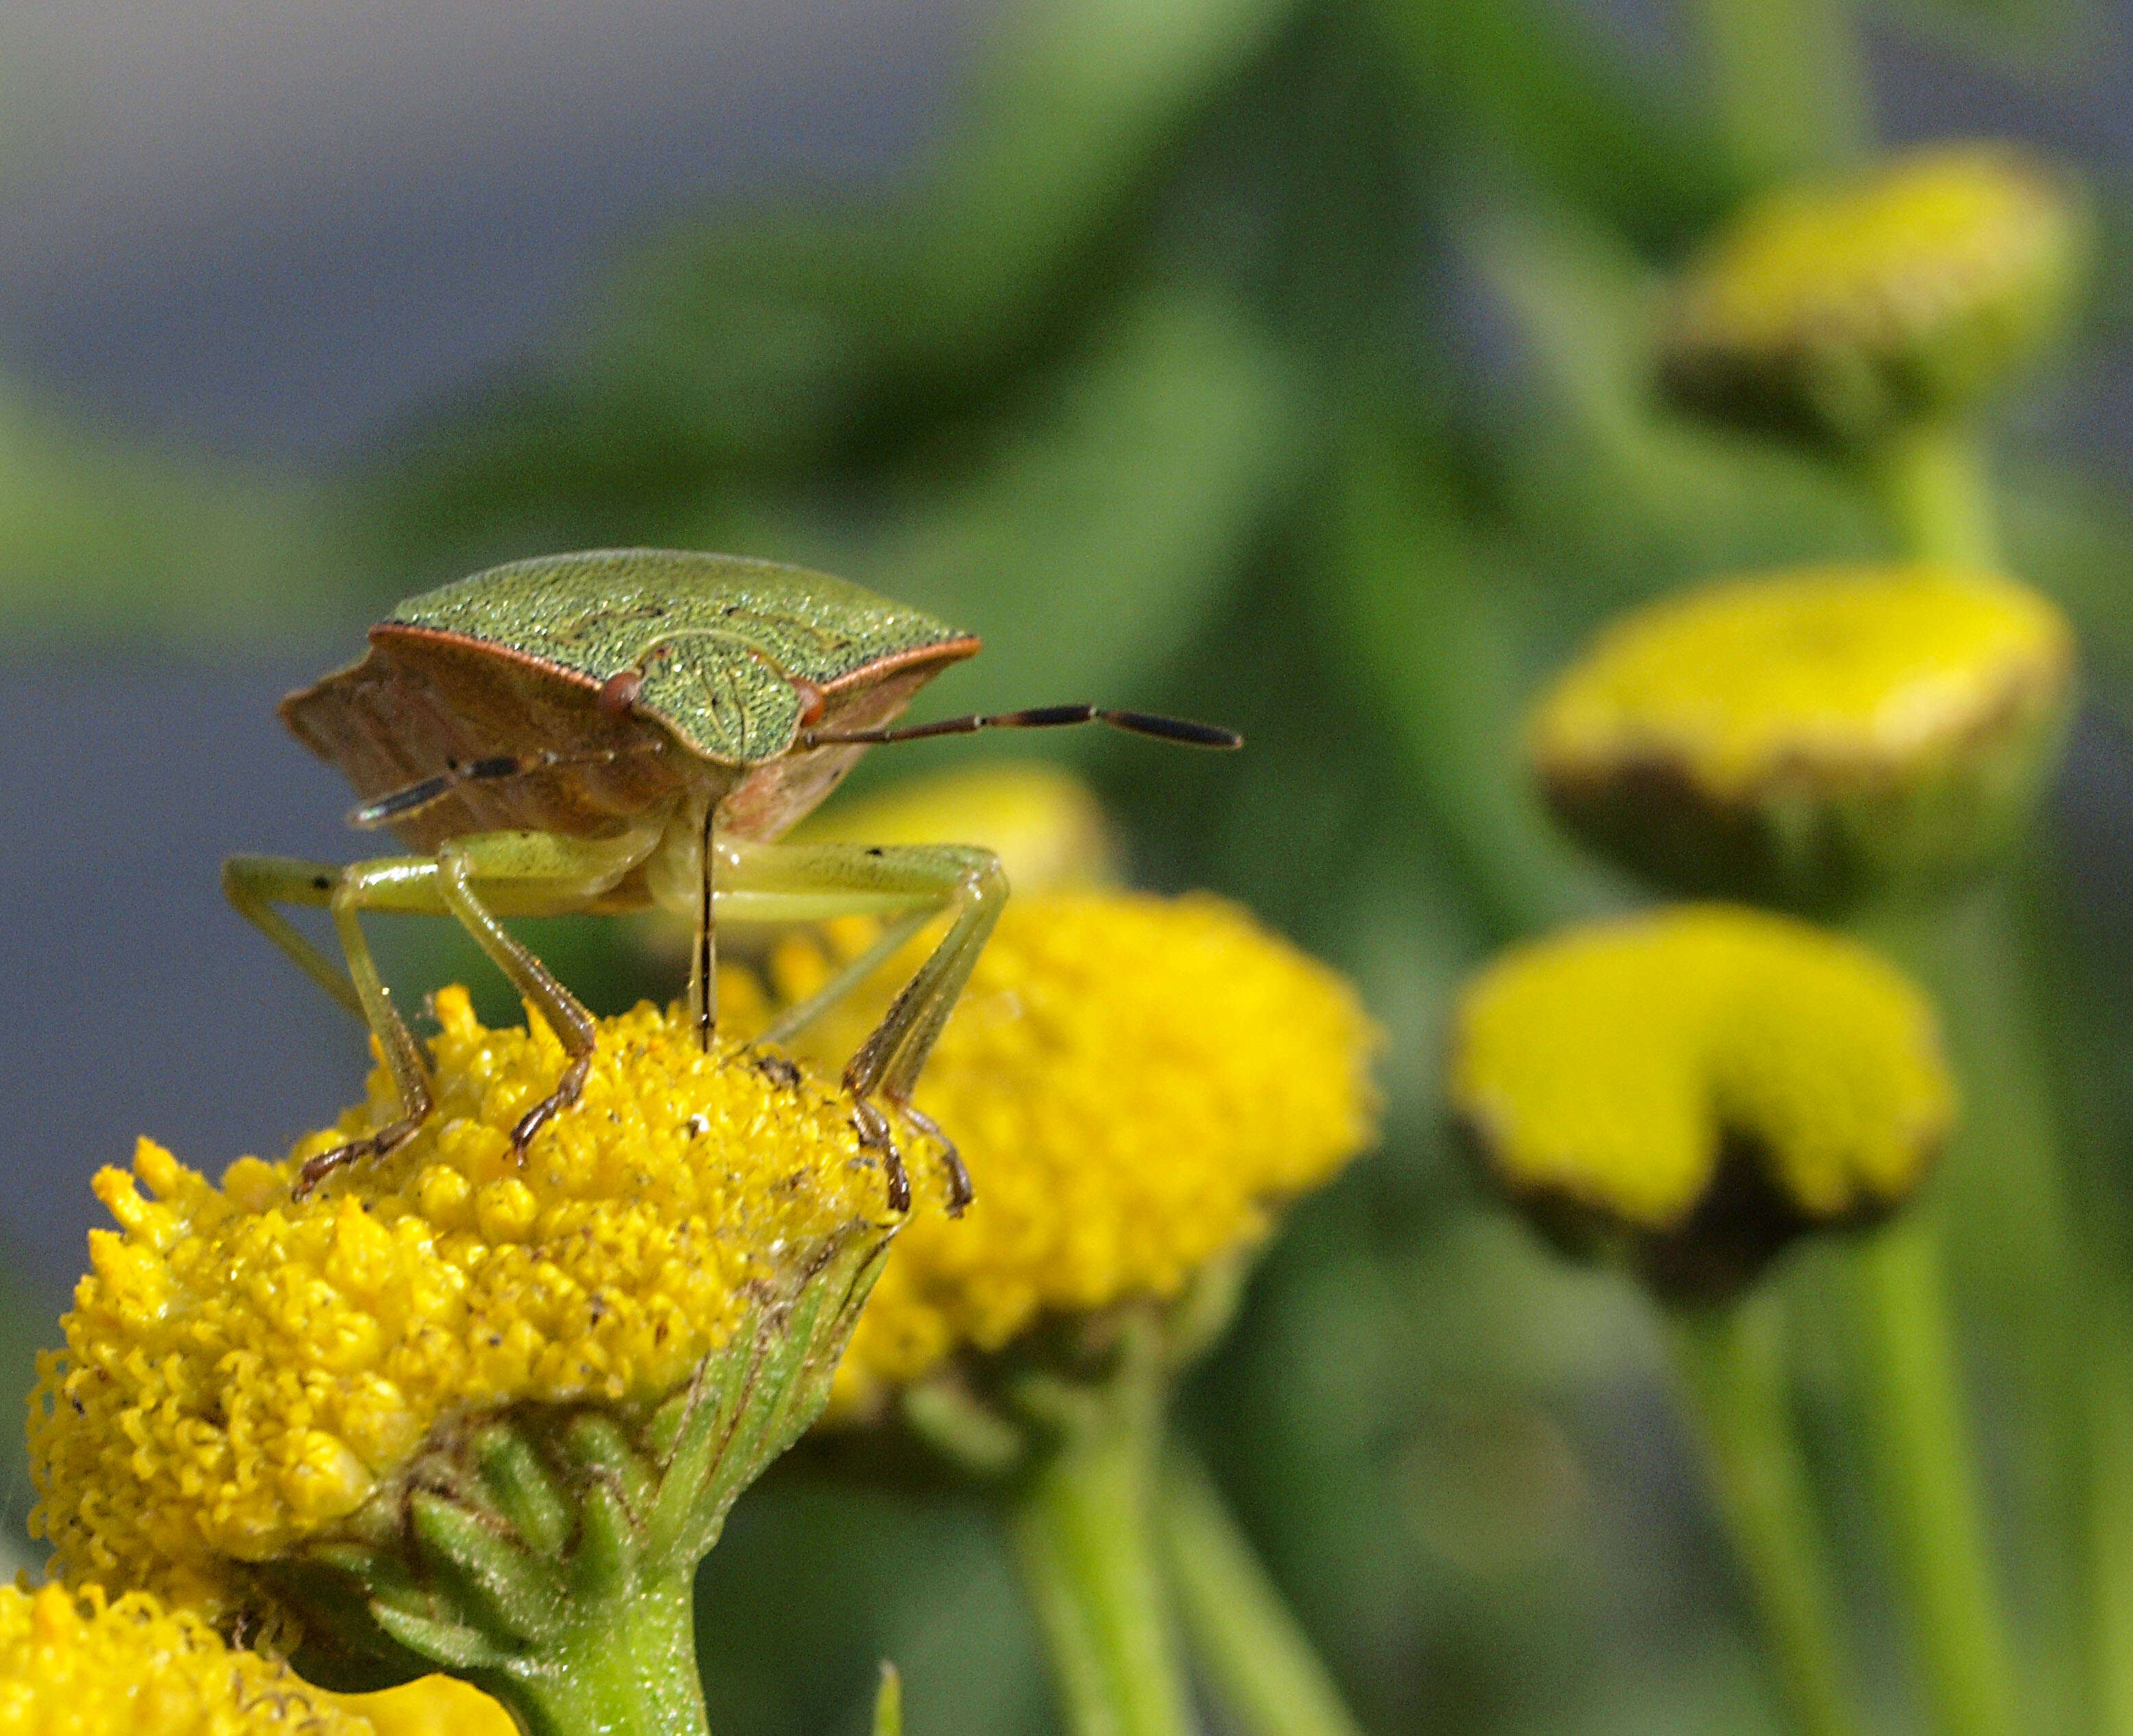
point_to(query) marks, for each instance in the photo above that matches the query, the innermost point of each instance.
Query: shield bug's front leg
(530, 872)
(810, 882)
(257, 884)
(518, 872)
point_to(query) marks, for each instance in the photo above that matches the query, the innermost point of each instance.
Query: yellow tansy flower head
(1136, 1083)
(250, 1379)
(1811, 738)
(1691, 1090)
(1841, 312)
(82, 1665)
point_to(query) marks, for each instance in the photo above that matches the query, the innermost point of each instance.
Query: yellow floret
(1807, 728)
(1846, 672)
(80, 1666)
(1900, 293)
(1135, 1083)
(243, 1369)
(1605, 1076)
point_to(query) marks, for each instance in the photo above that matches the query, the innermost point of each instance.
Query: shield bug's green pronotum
(629, 727)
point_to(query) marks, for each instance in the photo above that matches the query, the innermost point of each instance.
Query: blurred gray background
(268, 231)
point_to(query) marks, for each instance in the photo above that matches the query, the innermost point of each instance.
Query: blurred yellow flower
(1843, 310)
(1694, 1088)
(1804, 734)
(82, 1665)
(242, 1370)
(1136, 1083)
(1044, 825)
(434, 1705)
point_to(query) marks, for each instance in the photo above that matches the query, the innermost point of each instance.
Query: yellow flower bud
(1812, 737)
(1842, 312)
(1044, 825)
(1137, 1084)
(1690, 1090)
(81, 1665)
(250, 1377)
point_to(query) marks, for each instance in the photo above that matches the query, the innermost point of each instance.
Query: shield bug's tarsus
(627, 728)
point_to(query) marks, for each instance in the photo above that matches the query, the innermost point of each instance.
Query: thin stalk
(1932, 481)
(633, 1672)
(1787, 84)
(2111, 1519)
(1081, 1522)
(1918, 1440)
(1731, 1360)
(1258, 1659)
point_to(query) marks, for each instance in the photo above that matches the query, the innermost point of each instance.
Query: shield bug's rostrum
(623, 728)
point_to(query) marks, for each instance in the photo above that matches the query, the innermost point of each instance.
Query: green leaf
(105, 542)
(1642, 497)
(1088, 544)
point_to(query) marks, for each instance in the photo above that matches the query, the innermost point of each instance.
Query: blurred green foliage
(1283, 361)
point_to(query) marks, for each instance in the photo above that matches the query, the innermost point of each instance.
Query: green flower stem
(1917, 1438)
(1082, 1522)
(628, 1670)
(1731, 1360)
(1256, 1656)
(2110, 1396)
(1786, 83)
(1932, 481)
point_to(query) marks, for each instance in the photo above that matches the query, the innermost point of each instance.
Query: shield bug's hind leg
(809, 882)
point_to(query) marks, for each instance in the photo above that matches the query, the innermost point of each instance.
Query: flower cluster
(243, 1369)
(1135, 1081)
(81, 1665)
(1699, 1085)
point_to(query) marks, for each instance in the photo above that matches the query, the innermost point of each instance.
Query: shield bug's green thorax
(628, 727)
(725, 652)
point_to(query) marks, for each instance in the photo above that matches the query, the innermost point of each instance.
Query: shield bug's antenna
(1178, 730)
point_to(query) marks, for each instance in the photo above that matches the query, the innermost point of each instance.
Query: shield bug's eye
(813, 701)
(618, 691)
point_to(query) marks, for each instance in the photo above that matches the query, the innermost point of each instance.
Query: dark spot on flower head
(777, 1067)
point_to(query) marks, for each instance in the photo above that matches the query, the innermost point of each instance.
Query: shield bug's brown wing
(728, 653)
(472, 739)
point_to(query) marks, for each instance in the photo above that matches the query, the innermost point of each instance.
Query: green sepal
(527, 1495)
(532, 1550)
(481, 1568)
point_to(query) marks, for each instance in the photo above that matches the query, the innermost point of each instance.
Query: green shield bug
(623, 729)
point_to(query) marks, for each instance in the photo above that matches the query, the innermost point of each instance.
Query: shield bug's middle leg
(474, 877)
(811, 883)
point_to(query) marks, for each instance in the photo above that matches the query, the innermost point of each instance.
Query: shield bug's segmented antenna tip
(1182, 730)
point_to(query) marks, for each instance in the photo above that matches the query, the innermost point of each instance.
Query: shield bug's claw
(875, 1136)
(568, 1090)
(380, 1144)
(959, 1191)
(777, 1067)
